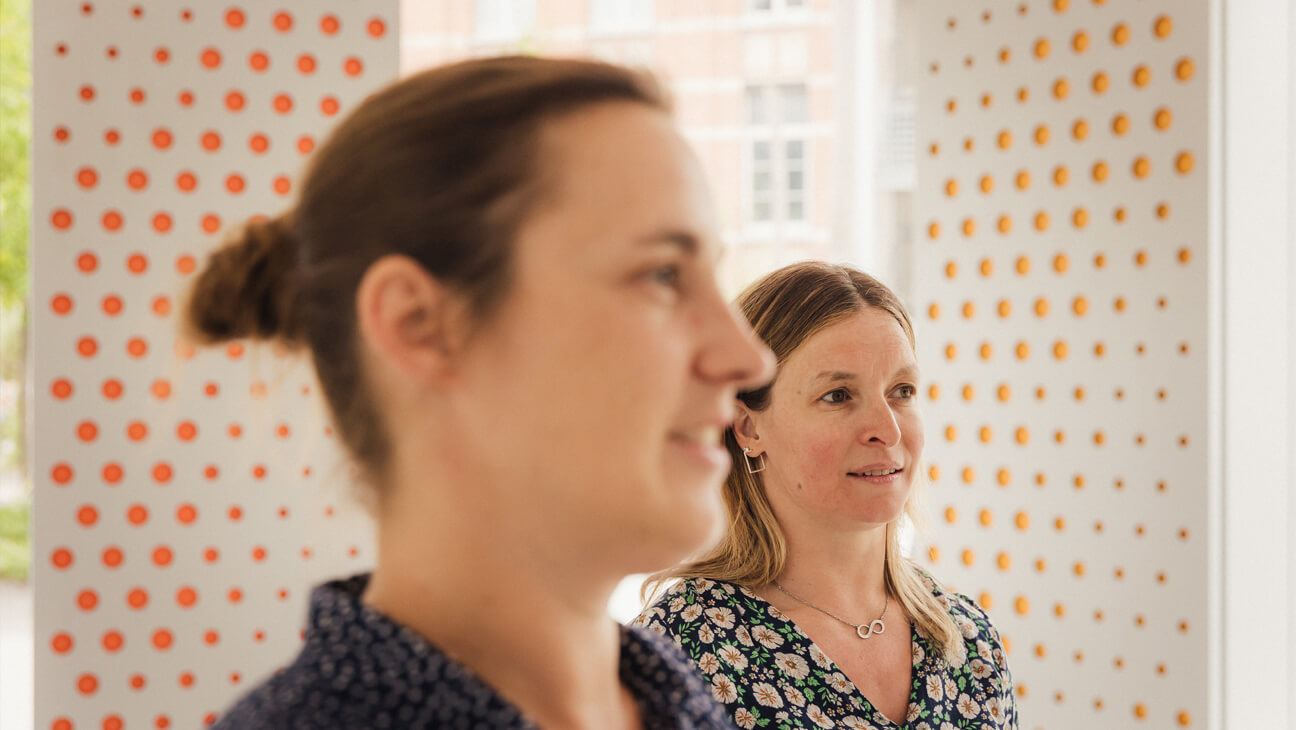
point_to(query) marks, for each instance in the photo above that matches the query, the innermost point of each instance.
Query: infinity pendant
(876, 627)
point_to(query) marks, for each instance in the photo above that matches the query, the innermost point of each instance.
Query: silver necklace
(876, 626)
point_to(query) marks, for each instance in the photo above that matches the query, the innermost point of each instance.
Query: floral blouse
(769, 674)
(360, 669)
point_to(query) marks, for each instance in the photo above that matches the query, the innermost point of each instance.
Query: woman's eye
(668, 276)
(906, 392)
(835, 396)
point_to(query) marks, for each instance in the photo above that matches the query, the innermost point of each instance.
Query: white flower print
(839, 682)
(723, 689)
(819, 657)
(704, 585)
(722, 617)
(818, 717)
(916, 651)
(792, 665)
(657, 627)
(676, 604)
(951, 689)
(998, 657)
(983, 650)
(966, 627)
(780, 717)
(691, 613)
(855, 723)
(767, 637)
(794, 696)
(719, 595)
(705, 634)
(744, 718)
(912, 714)
(641, 620)
(766, 695)
(708, 663)
(935, 687)
(980, 669)
(947, 726)
(744, 636)
(923, 726)
(968, 707)
(994, 709)
(734, 656)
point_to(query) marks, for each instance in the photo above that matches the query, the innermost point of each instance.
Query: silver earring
(760, 461)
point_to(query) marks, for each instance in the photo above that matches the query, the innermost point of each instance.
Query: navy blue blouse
(359, 668)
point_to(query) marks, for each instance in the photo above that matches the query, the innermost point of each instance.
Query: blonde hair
(786, 308)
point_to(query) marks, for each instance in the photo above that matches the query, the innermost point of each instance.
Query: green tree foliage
(15, 138)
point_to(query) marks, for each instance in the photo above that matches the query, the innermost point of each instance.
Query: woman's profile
(503, 271)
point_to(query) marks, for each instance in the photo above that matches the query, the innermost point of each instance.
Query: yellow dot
(986, 183)
(1005, 140)
(1022, 265)
(1023, 351)
(1060, 350)
(1184, 69)
(1021, 605)
(951, 352)
(951, 433)
(1004, 393)
(1100, 171)
(987, 267)
(1022, 436)
(1080, 42)
(1061, 5)
(1162, 119)
(951, 187)
(1041, 221)
(951, 515)
(1041, 134)
(986, 434)
(969, 309)
(1142, 76)
(986, 351)
(1080, 129)
(1004, 561)
(1042, 48)
(969, 227)
(933, 312)
(1022, 180)
(1162, 27)
(1041, 307)
(933, 554)
(1022, 521)
(969, 476)
(1060, 176)
(1004, 477)
(1080, 218)
(1101, 82)
(1184, 163)
(1004, 309)
(1142, 167)
(1061, 89)
(968, 392)
(1120, 34)
(1004, 224)
(1120, 124)
(985, 518)
(968, 557)
(951, 269)
(933, 230)
(933, 473)
(1080, 306)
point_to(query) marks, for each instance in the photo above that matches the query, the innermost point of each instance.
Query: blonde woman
(805, 614)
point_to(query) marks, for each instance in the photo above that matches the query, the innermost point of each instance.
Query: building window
(621, 16)
(504, 21)
(761, 6)
(777, 115)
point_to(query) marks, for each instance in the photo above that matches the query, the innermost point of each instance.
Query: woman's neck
(842, 570)
(532, 627)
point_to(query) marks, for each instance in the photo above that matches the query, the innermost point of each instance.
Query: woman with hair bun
(504, 273)
(805, 614)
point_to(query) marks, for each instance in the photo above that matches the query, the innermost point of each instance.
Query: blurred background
(1084, 204)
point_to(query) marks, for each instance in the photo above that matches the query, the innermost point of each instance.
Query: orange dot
(283, 22)
(968, 557)
(62, 220)
(1162, 27)
(235, 595)
(329, 106)
(87, 684)
(211, 223)
(161, 389)
(112, 473)
(87, 600)
(235, 101)
(211, 141)
(1041, 221)
(1021, 605)
(137, 598)
(162, 139)
(306, 63)
(1140, 258)
(112, 641)
(162, 556)
(137, 514)
(112, 220)
(61, 643)
(186, 514)
(353, 66)
(1183, 718)
(210, 58)
(1100, 171)
(1142, 167)
(162, 473)
(161, 306)
(933, 312)
(1080, 218)
(86, 178)
(87, 515)
(211, 637)
(87, 93)
(1022, 350)
(969, 227)
(87, 431)
(283, 103)
(1022, 521)
(1184, 163)
(87, 346)
(235, 513)
(1120, 34)
(985, 518)
(282, 185)
(951, 515)
(234, 184)
(61, 558)
(1041, 135)
(329, 24)
(211, 555)
(61, 473)
(61, 304)
(137, 347)
(1060, 350)
(137, 96)
(259, 554)
(968, 475)
(376, 28)
(951, 352)
(259, 61)
(1061, 89)
(1004, 140)
(1142, 76)
(234, 18)
(211, 472)
(162, 639)
(162, 222)
(1042, 48)
(305, 144)
(1184, 69)
(986, 351)
(1100, 83)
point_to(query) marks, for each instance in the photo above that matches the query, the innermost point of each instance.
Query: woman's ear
(746, 432)
(410, 319)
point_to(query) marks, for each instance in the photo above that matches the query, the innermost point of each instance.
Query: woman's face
(606, 377)
(842, 436)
